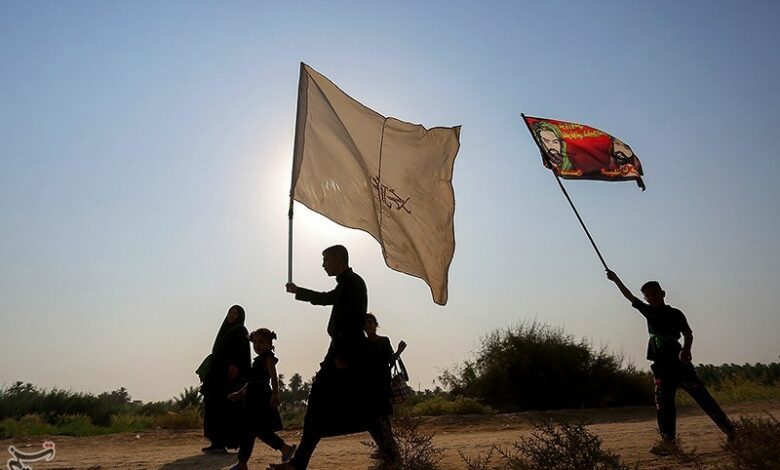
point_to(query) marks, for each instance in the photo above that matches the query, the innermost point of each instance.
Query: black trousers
(337, 405)
(270, 438)
(668, 378)
(378, 428)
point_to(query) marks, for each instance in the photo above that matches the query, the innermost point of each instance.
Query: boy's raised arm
(623, 289)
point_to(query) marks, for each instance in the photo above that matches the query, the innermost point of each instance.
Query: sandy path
(627, 431)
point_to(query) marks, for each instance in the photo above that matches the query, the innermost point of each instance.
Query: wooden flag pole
(565, 193)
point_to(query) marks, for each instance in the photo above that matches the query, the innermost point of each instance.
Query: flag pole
(587, 232)
(290, 241)
(300, 123)
(565, 193)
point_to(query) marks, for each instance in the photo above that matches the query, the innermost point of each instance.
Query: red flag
(577, 151)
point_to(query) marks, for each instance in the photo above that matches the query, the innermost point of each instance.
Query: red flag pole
(565, 193)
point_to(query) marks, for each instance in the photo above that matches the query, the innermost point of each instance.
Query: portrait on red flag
(577, 151)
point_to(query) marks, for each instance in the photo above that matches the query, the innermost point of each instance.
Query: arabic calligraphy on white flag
(388, 177)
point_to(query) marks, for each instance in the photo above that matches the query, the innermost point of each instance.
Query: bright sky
(145, 158)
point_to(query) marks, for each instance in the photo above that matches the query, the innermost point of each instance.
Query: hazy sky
(145, 158)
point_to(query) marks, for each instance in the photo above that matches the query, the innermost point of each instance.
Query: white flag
(388, 177)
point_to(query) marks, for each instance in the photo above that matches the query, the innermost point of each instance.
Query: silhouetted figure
(671, 366)
(337, 401)
(260, 398)
(380, 358)
(230, 362)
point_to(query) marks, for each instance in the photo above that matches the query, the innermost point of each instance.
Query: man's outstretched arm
(623, 289)
(313, 297)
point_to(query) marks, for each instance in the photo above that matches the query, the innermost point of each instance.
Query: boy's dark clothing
(668, 377)
(666, 324)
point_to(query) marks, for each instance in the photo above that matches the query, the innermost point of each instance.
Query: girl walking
(261, 401)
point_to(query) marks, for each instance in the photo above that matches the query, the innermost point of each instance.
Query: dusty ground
(627, 431)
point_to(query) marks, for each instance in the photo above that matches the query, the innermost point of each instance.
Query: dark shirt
(258, 410)
(345, 326)
(259, 378)
(665, 325)
(379, 358)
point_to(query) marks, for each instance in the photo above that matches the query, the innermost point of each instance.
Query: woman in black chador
(227, 371)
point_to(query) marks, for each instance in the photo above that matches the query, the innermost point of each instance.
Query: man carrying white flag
(388, 177)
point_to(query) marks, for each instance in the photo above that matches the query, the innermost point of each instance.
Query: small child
(261, 401)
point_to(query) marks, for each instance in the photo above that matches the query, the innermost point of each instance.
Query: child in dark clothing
(671, 366)
(379, 357)
(261, 401)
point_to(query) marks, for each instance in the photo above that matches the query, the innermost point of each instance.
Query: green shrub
(538, 367)
(438, 406)
(559, 446)
(188, 418)
(27, 426)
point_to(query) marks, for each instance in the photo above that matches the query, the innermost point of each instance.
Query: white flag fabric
(388, 177)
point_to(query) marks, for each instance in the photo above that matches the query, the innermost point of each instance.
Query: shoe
(665, 447)
(288, 455)
(280, 466)
(214, 449)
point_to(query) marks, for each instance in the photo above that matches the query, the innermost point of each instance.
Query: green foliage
(293, 397)
(188, 418)
(736, 391)
(189, 398)
(731, 383)
(156, 408)
(26, 410)
(755, 446)
(438, 406)
(538, 367)
(561, 446)
(765, 374)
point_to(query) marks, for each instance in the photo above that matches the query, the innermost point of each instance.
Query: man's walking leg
(691, 383)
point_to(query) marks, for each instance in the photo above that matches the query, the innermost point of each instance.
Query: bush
(755, 446)
(188, 418)
(26, 426)
(561, 446)
(415, 447)
(537, 367)
(438, 406)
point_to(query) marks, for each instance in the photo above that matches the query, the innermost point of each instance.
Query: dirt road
(627, 431)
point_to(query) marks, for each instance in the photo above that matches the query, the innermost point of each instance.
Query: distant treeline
(524, 367)
(765, 374)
